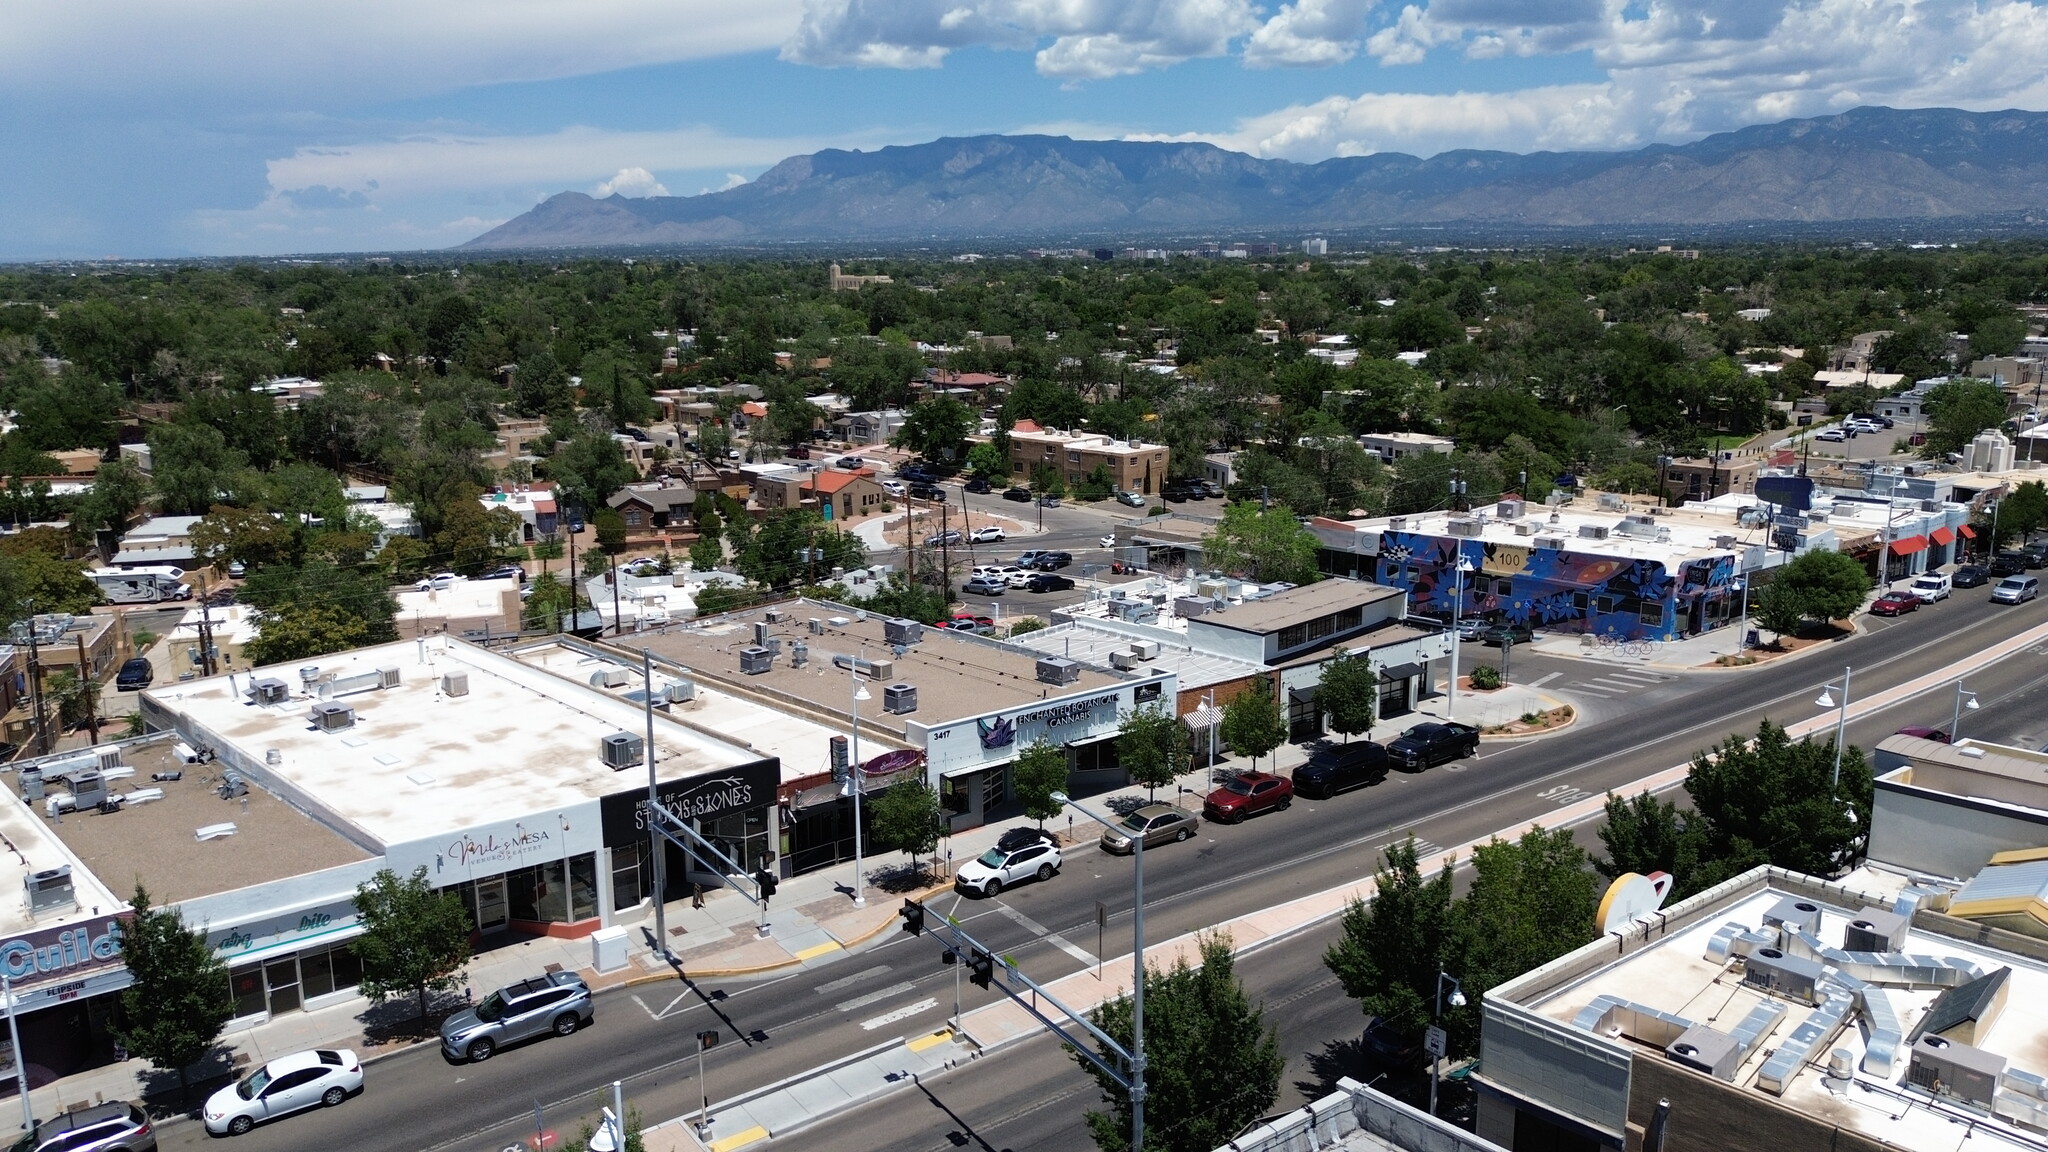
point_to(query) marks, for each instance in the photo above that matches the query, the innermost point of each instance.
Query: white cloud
(1090, 39)
(631, 182)
(357, 50)
(1309, 34)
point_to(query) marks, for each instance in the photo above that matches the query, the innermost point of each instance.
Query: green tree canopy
(1957, 411)
(178, 1001)
(936, 427)
(1779, 607)
(1348, 692)
(1390, 949)
(907, 817)
(1152, 745)
(1644, 834)
(1531, 901)
(1770, 800)
(1212, 1063)
(1830, 585)
(1265, 546)
(1253, 722)
(1040, 771)
(415, 939)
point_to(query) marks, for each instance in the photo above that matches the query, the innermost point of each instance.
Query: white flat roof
(1691, 535)
(418, 763)
(37, 849)
(459, 601)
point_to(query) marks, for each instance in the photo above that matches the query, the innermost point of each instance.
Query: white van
(1931, 586)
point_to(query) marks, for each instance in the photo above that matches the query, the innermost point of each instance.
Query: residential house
(665, 504)
(843, 495)
(865, 428)
(1396, 446)
(534, 504)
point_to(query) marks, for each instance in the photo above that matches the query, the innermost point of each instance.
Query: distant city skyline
(230, 127)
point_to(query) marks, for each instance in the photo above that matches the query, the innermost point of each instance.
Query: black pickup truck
(1427, 745)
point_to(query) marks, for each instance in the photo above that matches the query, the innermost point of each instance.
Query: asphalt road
(417, 1101)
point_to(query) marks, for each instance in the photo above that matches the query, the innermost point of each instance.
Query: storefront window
(246, 984)
(538, 893)
(626, 882)
(583, 887)
(953, 795)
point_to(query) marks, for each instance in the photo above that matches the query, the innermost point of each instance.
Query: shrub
(1486, 678)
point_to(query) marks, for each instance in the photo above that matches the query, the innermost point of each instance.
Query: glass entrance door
(282, 976)
(492, 910)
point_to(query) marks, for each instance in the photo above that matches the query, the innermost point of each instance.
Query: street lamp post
(855, 784)
(1826, 700)
(1955, 719)
(1436, 1013)
(1742, 620)
(1137, 965)
(1457, 605)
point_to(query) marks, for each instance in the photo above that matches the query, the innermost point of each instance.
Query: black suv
(1021, 495)
(976, 485)
(101, 1128)
(1427, 745)
(1341, 769)
(2008, 563)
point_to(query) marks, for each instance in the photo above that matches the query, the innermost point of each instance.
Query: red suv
(1248, 795)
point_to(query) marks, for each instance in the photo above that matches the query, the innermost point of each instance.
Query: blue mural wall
(1556, 589)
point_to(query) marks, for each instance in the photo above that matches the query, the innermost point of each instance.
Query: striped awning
(1909, 545)
(1206, 717)
(1943, 536)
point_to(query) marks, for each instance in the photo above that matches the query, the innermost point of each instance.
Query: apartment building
(1134, 466)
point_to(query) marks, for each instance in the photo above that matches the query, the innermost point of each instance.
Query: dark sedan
(1427, 745)
(1970, 576)
(1047, 582)
(976, 485)
(1501, 635)
(1021, 495)
(1894, 604)
(1052, 561)
(1341, 769)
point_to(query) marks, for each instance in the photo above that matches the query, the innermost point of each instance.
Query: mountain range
(1868, 164)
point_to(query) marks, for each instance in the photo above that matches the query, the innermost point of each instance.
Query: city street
(781, 1027)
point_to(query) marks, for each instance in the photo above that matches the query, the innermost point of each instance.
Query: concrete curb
(1551, 703)
(761, 969)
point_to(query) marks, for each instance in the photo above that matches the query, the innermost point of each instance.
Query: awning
(1942, 536)
(1200, 718)
(1968, 532)
(1401, 672)
(1909, 545)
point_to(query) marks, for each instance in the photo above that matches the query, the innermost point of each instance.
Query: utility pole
(205, 627)
(35, 690)
(92, 720)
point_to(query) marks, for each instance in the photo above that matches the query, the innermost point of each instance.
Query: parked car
(1157, 823)
(2035, 556)
(1388, 1047)
(985, 586)
(237, 569)
(1174, 495)
(1021, 495)
(965, 622)
(1010, 574)
(976, 484)
(1868, 418)
(1894, 604)
(115, 1127)
(914, 474)
(1248, 794)
(1047, 582)
(999, 867)
(1931, 586)
(949, 536)
(926, 491)
(1132, 499)
(438, 582)
(1469, 627)
(1048, 501)
(849, 462)
(800, 453)
(1053, 561)
(1969, 576)
(320, 1078)
(1833, 435)
(1029, 557)
(135, 674)
(1341, 769)
(557, 1002)
(2016, 590)
(988, 535)
(1500, 634)
(1924, 733)
(1427, 745)
(1865, 427)
(507, 572)
(2008, 563)
(895, 488)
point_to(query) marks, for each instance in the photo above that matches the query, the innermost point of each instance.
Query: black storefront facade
(733, 808)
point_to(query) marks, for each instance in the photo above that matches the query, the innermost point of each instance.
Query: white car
(988, 535)
(1931, 586)
(1008, 574)
(1864, 427)
(321, 1078)
(1109, 541)
(439, 581)
(893, 487)
(1017, 858)
(1834, 435)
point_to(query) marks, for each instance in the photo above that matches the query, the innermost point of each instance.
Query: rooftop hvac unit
(1145, 649)
(1464, 526)
(899, 699)
(1187, 607)
(1792, 912)
(1554, 543)
(773, 644)
(1213, 589)
(1792, 977)
(388, 677)
(1611, 501)
(1875, 930)
(1508, 509)
(902, 631)
(799, 654)
(817, 626)
(608, 678)
(754, 661)
(328, 716)
(881, 669)
(1945, 1068)
(31, 784)
(1707, 1050)
(309, 674)
(773, 615)
(1123, 661)
(88, 787)
(682, 691)
(1136, 611)
(1397, 523)
(455, 683)
(270, 690)
(1725, 543)
(1592, 531)
(1057, 670)
(50, 889)
(1525, 528)
(621, 750)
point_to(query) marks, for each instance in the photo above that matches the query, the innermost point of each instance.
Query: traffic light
(707, 1040)
(766, 880)
(913, 917)
(981, 968)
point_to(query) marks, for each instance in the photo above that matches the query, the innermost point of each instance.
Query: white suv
(1931, 586)
(1022, 854)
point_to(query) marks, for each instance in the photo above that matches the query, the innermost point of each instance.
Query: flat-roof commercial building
(1775, 1011)
(1134, 466)
(1945, 809)
(966, 702)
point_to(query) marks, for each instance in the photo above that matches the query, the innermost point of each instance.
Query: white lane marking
(1594, 688)
(644, 1008)
(1614, 685)
(860, 977)
(1053, 938)
(872, 997)
(1544, 680)
(903, 1013)
(1639, 677)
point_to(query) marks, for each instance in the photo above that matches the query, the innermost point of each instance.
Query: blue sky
(142, 128)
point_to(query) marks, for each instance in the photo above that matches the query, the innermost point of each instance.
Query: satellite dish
(1631, 895)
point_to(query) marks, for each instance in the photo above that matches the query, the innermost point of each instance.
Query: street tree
(1041, 770)
(1779, 607)
(1390, 949)
(1349, 693)
(1771, 800)
(610, 529)
(1152, 745)
(908, 818)
(935, 428)
(301, 632)
(1265, 546)
(1957, 411)
(1643, 834)
(178, 1000)
(1531, 901)
(988, 462)
(1253, 723)
(2024, 511)
(1212, 1063)
(1831, 585)
(415, 940)
(550, 603)
(588, 468)
(118, 490)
